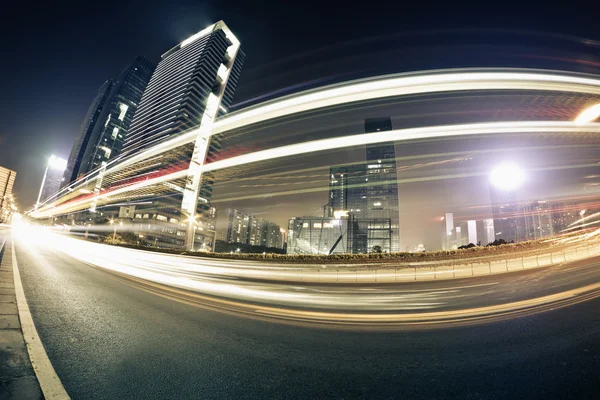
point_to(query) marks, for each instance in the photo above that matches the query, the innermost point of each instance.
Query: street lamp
(507, 176)
(55, 163)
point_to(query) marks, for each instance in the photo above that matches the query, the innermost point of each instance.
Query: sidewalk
(17, 378)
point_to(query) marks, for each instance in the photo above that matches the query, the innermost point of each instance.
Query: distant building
(317, 235)
(367, 194)
(472, 231)
(107, 121)
(237, 228)
(538, 219)
(330, 235)
(252, 230)
(448, 240)
(7, 181)
(488, 231)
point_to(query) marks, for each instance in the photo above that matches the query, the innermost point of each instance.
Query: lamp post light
(507, 176)
(55, 163)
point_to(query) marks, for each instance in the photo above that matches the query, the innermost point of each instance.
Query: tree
(376, 249)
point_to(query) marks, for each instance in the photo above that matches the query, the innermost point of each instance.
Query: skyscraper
(108, 119)
(237, 229)
(192, 85)
(7, 180)
(368, 195)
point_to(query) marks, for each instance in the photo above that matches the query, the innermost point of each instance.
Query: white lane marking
(50, 383)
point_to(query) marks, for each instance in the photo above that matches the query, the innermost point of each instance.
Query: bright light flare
(507, 176)
(588, 115)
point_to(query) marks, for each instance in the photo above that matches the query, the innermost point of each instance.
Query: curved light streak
(346, 142)
(372, 88)
(407, 84)
(287, 293)
(588, 115)
(400, 135)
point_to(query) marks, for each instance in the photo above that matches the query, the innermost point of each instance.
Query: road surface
(110, 337)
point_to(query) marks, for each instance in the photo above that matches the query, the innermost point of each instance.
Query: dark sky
(56, 55)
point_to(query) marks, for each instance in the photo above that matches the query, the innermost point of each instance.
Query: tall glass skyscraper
(192, 85)
(108, 119)
(368, 195)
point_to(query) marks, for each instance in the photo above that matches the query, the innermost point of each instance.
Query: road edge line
(50, 383)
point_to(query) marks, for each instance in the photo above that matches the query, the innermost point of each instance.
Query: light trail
(408, 84)
(251, 289)
(398, 135)
(368, 89)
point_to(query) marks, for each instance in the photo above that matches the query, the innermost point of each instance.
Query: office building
(317, 235)
(331, 235)
(107, 121)
(7, 181)
(472, 231)
(488, 231)
(192, 85)
(367, 194)
(252, 230)
(237, 228)
(448, 231)
(538, 219)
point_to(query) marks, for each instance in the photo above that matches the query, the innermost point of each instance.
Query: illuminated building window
(123, 108)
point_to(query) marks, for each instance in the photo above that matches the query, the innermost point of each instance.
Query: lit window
(173, 220)
(317, 225)
(115, 132)
(123, 108)
(161, 218)
(377, 204)
(305, 225)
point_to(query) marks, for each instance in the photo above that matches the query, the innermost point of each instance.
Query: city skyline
(410, 226)
(55, 131)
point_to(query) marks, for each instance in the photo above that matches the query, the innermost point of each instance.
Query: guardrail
(427, 273)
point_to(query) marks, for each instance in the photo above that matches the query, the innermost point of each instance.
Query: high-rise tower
(107, 121)
(368, 195)
(192, 85)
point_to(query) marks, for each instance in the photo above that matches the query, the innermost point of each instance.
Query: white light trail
(588, 115)
(361, 90)
(399, 135)
(407, 84)
(371, 88)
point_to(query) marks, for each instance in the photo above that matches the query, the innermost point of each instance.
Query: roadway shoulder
(17, 377)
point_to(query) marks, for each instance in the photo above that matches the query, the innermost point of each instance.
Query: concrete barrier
(426, 273)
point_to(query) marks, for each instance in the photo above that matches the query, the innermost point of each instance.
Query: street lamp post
(54, 163)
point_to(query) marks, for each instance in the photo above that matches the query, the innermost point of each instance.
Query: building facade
(237, 228)
(192, 85)
(368, 192)
(252, 230)
(108, 119)
(7, 181)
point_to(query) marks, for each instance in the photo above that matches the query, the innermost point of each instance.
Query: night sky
(56, 56)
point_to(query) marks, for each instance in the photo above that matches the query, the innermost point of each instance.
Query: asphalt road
(109, 339)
